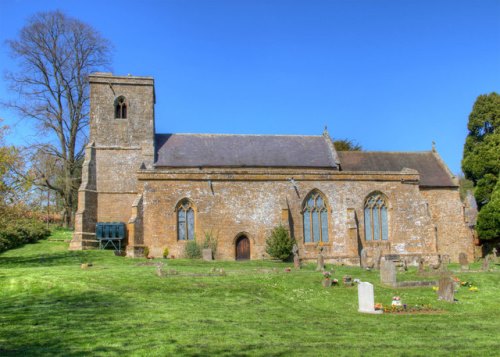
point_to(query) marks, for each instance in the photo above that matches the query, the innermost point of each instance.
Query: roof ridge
(386, 152)
(215, 134)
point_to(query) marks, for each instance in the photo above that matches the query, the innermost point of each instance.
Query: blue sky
(391, 75)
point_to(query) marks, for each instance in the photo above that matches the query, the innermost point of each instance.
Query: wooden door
(242, 248)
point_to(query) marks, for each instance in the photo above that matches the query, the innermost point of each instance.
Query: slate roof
(219, 150)
(432, 171)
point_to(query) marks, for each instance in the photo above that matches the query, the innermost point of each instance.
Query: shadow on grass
(58, 324)
(44, 260)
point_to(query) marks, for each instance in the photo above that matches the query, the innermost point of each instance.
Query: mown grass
(50, 306)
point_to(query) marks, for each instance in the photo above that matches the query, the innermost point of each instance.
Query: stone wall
(253, 202)
(447, 211)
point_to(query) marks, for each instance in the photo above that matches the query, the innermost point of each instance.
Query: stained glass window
(185, 220)
(376, 226)
(315, 218)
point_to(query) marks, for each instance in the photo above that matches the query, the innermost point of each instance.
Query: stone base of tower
(83, 241)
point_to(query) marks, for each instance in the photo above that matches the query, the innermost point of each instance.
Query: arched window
(185, 220)
(121, 108)
(315, 216)
(376, 227)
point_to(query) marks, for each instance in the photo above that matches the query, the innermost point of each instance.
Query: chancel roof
(219, 150)
(433, 172)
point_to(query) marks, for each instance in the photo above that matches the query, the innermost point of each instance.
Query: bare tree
(55, 54)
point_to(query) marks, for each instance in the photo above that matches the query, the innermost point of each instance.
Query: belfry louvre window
(185, 220)
(121, 108)
(315, 216)
(376, 226)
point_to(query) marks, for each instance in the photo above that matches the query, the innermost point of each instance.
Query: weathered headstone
(421, 265)
(366, 299)
(494, 257)
(446, 290)
(321, 262)
(296, 259)
(387, 272)
(464, 262)
(445, 260)
(486, 263)
(207, 254)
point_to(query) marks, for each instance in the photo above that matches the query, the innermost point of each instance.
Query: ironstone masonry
(241, 186)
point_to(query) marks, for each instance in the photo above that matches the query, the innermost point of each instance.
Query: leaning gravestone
(387, 272)
(207, 254)
(366, 299)
(446, 289)
(464, 262)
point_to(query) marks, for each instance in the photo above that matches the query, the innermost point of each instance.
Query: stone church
(172, 188)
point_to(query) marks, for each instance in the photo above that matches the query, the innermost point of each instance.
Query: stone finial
(433, 146)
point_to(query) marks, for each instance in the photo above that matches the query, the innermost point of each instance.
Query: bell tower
(121, 142)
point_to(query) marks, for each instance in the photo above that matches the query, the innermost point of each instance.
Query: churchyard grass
(49, 305)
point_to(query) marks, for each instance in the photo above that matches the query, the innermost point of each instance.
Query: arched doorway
(242, 248)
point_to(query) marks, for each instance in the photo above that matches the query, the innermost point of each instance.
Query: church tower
(121, 142)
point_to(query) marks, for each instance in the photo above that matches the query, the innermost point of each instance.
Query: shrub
(211, 242)
(192, 250)
(18, 231)
(165, 253)
(279, 244)
(145, 251)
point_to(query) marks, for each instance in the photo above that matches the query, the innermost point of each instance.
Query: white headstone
(366, 298)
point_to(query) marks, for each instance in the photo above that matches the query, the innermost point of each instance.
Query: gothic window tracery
(315, 218)
(121, 108)
(376, 223)
(185, 220)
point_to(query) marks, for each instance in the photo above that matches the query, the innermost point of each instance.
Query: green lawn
(119, 306)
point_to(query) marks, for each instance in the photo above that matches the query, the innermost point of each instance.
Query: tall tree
(55, 54)
(346, 145)
(11, 162)
(481, 161)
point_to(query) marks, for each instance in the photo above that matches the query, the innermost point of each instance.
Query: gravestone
(296, 259)
(445, 260)
(486, 263)
(364, 258)
(321, 262)
(464, 262)
(366, 299)
(446, 290)
(207, 254)
(387, 272)
(421, 265)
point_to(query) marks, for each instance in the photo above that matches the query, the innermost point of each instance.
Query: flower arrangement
(396, 301)
(473, 288)
(288, 269)
(335, 282)
(357, 281)
(466, 283)
(379, 306)
(327, 275)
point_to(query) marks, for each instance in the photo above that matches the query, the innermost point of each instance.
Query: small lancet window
(185, 220)
(120, 108)
(376, 225)
(315, 218)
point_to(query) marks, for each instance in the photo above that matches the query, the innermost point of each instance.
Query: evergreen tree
(481, 162)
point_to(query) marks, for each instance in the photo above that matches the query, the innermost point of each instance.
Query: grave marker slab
(366, 299)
